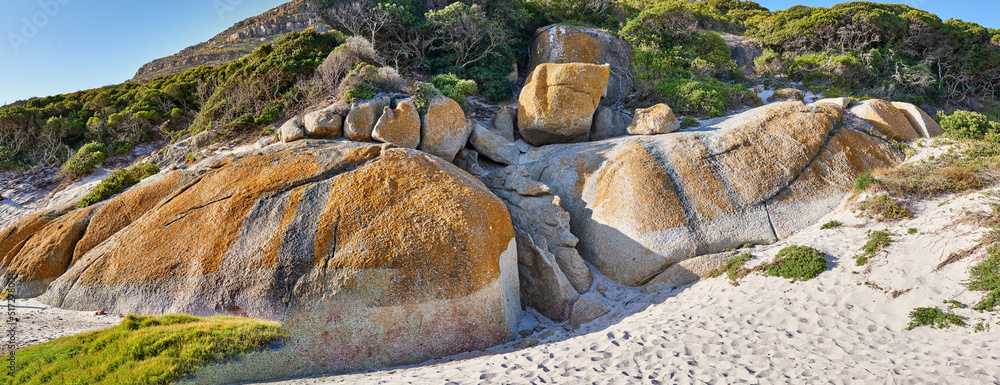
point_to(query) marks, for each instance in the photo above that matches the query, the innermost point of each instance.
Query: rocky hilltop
(240, 39)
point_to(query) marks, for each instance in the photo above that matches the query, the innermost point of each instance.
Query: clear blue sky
(72, 45)
(57, 46)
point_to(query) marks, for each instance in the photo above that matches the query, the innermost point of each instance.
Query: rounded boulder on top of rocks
(658, 119)
(558, 102)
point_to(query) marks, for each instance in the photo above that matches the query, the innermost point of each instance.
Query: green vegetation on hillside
(143, 350)
(117, 182)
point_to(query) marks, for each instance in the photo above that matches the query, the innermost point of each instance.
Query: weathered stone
(920, 120)
(658, 119)
(842, 102)
(365, 253)
(444, 129)
(503, 122)
(399, 126)
(643, 203)
(609, 123)
(324, 124)
(46, 255)
(687, 272)
(562, 44)
(291, 130)
(535, 211)
(468, 160)
(13, 238)
(493, 146)
(587, 310)
(786, 94)
(886, 118)
(361, 120)
(558, 102)
(544, 287)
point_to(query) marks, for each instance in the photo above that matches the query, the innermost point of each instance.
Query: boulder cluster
(379, 255)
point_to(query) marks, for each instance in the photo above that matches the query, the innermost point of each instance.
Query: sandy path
(38, 322)
(843, 327)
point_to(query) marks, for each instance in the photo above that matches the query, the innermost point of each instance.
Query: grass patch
(968, 168)
(733, 269)
(119, 180)
(911, 231)
(933, 317)
(798, 263)
(864, 180)
(831, 225)
(143, 350)
(985, 276)
(884, 207)
(877, 241)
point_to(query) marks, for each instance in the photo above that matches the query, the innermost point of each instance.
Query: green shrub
(934, 317)
(785, 94)
(733, 269)
(362, 91)
(985, 276)
(88, 157)
(268, 115)
(884, 207)
(864, 180)
(877, 241)
(798, 263)
(143, 350)
(422, 95)
(911, 231)
(453, 87)
(969, 125)
(117, 182)
(831, 225)
(689, 122)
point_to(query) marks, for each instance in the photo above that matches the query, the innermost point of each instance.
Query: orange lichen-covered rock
(361, 120)
(444, 129)
(364, 252)
(13, 238)
(641, 204)
(399, 126)
(562, 44)
(923, 123)
(886, 118)
(558, 102)
(129, 206)
(658, 119)
(47, 254)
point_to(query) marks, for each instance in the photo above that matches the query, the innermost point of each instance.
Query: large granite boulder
(444, 129)
(558, 102)
(40, 248)
(371, 256)
(399, 126)
(886, 118)
(641, 204)
(920, 120)
(563, 44)
(361, 120)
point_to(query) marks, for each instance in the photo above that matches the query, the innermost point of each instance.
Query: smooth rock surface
(292, 130)
(609, 123)
(324, 124)
(920, 120)
(399, 126)
(444, 129)
(886, 118)
(493, 146)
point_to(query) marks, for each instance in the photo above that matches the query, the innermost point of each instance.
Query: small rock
(658, 119)
(586, 310)
(99, 312)
(400, 126)
(503, 122)
(291, 130)
(324, 124)
(468, 160)
(494, 146)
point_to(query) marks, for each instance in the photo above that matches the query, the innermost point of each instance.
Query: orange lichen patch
(125, 209)
(831, 109)
(887, 119)
(763, 156)
(50, 250)
(699, 181)
(400, 126)
(359, 122)
(633, 191)
(847, 154)
(561, 44)
(440, 233)
(558, 101)
(189, 233)
(267, 257)
(13, 238)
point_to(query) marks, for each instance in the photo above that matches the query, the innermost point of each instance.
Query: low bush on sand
(933, 317)
(798, 263)
(733, 269)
